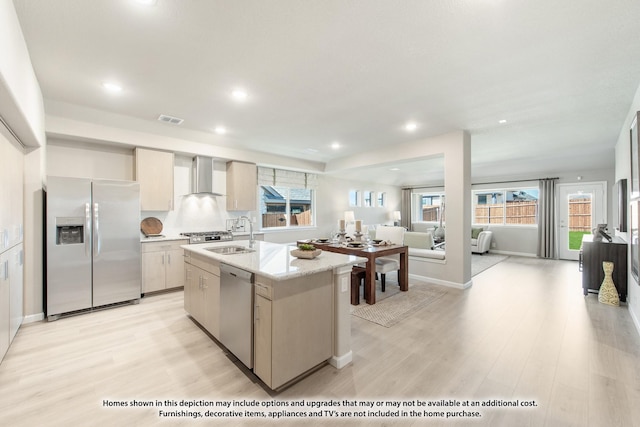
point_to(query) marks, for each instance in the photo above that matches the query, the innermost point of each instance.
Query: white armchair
(482, 243)
(385, 265)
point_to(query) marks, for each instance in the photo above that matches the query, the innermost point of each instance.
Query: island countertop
(274, 260)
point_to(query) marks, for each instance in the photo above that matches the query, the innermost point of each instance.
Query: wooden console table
(593, 254)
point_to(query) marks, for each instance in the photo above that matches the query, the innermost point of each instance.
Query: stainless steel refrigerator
(93, 244)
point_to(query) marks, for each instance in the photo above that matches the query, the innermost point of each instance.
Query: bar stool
(357, 276)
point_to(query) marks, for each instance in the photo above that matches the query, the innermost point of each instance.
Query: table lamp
(396, 218)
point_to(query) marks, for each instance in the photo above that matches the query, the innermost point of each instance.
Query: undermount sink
(229, 250)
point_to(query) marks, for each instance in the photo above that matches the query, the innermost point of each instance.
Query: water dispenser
(69, 230)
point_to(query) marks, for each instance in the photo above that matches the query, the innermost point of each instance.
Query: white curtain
(547, 242)
(286, 178)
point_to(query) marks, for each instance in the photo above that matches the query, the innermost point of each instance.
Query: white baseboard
(32, 318)
(340, 362)
(423, 279)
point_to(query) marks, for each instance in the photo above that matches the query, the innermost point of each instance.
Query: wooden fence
(279, 219)
(516, 213)
(521, 213)
(580, 215)
(430, 213)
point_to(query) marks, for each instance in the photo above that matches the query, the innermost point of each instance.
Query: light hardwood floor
(522, 331)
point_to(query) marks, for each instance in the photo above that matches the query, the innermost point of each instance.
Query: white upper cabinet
(242, 185)
(154, 172)
(11, 196)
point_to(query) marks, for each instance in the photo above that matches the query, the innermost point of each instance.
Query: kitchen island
(298, 308)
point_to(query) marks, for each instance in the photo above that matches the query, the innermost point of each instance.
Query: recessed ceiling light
(239, 95)
(503, 121)
(220, 130)
(112, 87)
(335, 145)
(410, 126)
(147, 2)
(394, 169)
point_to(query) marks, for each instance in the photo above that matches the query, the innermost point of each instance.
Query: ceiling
(562, 75)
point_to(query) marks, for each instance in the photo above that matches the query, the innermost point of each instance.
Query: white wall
(77, 160)
(623, 168)
(205, 212)
(333, 200)
(21, 107)
(196, 212)
(104, 130)
(21, 104)
(456, 149)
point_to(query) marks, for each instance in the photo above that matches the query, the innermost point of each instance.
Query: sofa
(421, 245)
(428, 265)
(480, 240)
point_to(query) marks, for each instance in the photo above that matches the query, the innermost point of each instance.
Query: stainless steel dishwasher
(236, 312)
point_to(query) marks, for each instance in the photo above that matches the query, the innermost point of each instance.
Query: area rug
(393, 308)
(480, 263)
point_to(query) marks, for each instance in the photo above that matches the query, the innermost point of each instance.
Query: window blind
(287, 178)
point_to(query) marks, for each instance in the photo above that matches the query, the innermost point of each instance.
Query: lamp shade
(349, 216)
(396, 216)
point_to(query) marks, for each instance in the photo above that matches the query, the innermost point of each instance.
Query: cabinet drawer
(206, 264)
(263, 290)
(163, 246)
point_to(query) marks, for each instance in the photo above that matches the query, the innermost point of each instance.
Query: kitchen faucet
(251, 239)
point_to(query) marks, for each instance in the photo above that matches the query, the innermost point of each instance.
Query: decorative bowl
(299, 253)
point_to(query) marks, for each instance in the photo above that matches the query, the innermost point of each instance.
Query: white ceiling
(563, 74)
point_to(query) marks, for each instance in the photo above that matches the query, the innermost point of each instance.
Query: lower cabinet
(593, 254)
(202, 292)
(16, 289)
(4, 304)
(292, 326)
(262, 335)
(162, 265)
(11, 291)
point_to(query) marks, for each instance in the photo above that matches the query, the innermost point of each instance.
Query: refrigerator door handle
(96, 230)
(87, 232)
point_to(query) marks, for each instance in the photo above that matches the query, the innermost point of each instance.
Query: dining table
(370, 252)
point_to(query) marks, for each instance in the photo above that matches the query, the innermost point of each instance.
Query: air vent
(170, 119)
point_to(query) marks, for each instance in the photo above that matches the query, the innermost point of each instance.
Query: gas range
(208, 236)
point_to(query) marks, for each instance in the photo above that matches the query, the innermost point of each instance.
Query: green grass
(575, 239)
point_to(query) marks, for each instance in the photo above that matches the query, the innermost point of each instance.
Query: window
(286, 198)
(354, 198)
(430, 207)
(368, 199)
(510, 207)
(285, 207)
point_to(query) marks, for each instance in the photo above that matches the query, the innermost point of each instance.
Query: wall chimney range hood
(202, 176)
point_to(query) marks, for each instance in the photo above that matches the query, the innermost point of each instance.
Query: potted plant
(306, 251)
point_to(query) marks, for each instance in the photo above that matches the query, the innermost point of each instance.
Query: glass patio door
(580, 208)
